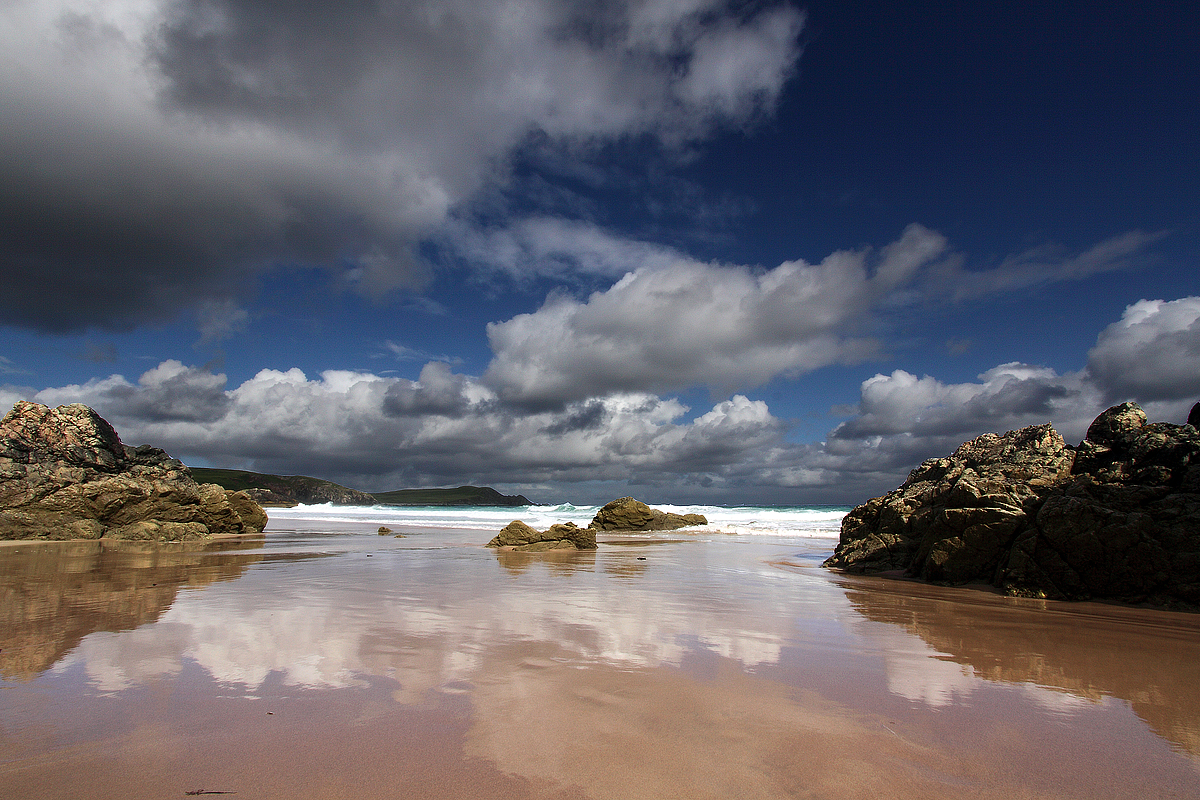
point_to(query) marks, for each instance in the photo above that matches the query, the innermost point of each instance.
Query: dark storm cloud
(117, 223)
(157, 158)
(437, 392)
(171, 392)
(587, 416)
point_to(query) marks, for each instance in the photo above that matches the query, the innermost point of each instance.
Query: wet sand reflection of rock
(54, 594)
(628, 557)
(1146, 657)
(559, 562)
(622, 557)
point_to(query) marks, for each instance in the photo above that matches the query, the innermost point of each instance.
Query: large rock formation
(64, 474)
(519, 536)
(1117, 517)
(627, 514)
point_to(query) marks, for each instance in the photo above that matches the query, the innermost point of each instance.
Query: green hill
(283, 490)
(293, 489)
(461, 496)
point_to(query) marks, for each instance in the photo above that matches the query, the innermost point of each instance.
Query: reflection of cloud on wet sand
(1063, 657)
(321, 633)
(54, 594)
(658, 733)
(686, 679)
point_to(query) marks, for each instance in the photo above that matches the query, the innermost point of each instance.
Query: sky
(696, 251)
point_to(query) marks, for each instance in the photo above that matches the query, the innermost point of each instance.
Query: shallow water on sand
(323, 660)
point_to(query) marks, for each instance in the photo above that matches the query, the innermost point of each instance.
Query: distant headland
(289, 490)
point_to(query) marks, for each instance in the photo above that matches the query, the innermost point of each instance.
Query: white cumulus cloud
(1152, 352)
(691, 324)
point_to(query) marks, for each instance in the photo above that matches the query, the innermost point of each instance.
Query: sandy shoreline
(346, 664)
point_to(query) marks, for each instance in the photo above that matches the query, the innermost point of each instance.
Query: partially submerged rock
(627, 514)
(520, 536)
(64, 474)
(1117, 517)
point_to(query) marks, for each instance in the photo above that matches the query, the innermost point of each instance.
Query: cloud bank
(378, 432)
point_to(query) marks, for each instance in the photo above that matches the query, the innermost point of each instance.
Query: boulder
(64, 474)
(628, 514)
(1116, 517)
(519, 536)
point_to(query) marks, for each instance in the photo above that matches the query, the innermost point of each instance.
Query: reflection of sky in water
(695, 662)
(428, 610)
(321, 623)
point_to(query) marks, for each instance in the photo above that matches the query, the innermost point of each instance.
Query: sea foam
(806, 521)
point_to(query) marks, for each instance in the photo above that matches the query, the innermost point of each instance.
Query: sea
(810, 522)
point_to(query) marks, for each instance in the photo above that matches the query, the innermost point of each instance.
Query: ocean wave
(815, 521)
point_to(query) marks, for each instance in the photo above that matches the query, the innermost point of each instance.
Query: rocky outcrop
(1116, 517)
(519, 536)
(64, 474)
(627, 514)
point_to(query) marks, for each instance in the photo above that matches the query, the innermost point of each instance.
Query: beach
(324, 660)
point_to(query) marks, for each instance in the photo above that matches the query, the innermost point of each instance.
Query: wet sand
(342, 664)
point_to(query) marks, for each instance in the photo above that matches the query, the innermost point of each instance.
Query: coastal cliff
(64, 474)
(291, 490)
(1116, 517)
(281, 490)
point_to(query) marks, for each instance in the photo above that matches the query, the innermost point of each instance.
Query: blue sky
(683, 249)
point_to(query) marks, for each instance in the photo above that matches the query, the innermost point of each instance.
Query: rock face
(64, 474)
(627, 514)
(1117, 517)
(520, 536)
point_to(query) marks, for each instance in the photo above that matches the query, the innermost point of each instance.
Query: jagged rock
(520, 536)
(628, 514)
(1117, 517)
(64, 474)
